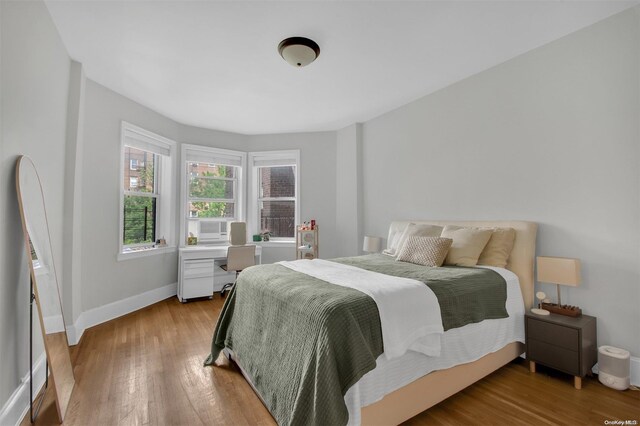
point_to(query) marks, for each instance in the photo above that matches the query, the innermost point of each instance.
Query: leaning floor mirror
(44, 283)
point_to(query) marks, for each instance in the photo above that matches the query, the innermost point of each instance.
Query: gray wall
(71, 281)
(551, 136)
(34, 87)
(349, 186)
(317, 185)
(212, 138)
(104, 278)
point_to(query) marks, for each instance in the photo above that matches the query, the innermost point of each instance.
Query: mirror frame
(60, 387)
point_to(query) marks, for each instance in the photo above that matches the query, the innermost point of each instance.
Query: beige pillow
(427, 251)
(498, 249)
(467, 245)
(413, 229)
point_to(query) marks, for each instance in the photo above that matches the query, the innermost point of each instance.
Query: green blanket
(304, 342)
(465, 295)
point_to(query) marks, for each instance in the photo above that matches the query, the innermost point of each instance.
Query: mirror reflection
(43, 274)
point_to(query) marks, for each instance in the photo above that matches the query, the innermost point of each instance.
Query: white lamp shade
(371, 244)
(559, 270)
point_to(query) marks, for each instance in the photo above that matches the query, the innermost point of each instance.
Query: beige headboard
(522, 256)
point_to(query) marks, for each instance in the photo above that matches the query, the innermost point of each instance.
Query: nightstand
(567, 344)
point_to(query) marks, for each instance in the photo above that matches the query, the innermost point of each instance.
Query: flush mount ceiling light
(299, 51)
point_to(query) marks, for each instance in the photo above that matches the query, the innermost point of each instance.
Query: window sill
(281, 244)
(144, 253)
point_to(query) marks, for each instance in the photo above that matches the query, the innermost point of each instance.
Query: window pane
(210, 188)
(277, 182)
(278, 217)
(139, 220)
(139, 176)
(213, 170)
(208, 209)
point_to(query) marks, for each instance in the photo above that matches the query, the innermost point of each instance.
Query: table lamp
(371, 244)
(559, 271)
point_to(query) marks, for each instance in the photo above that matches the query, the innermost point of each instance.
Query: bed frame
(421, 394)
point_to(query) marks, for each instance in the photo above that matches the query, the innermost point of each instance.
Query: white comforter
(459, 346)
(409, 311)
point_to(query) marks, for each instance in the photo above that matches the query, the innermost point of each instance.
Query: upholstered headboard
(522, 255)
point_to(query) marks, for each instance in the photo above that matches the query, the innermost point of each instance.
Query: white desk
(199, 272)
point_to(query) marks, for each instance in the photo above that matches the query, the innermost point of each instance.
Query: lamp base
(539, 311)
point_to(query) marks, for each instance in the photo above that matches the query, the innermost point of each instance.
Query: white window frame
(164, 172)
(260, 159)
(133, 164)
(201, 154)
(131, 180)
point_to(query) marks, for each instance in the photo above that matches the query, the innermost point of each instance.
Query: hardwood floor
(146, 368)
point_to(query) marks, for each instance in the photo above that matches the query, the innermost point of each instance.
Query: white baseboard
(117, 309)
(17, 406)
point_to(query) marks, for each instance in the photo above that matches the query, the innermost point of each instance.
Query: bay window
(274, 199)
(146, 202)
(213, 190)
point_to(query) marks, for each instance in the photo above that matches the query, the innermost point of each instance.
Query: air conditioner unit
(212, 231)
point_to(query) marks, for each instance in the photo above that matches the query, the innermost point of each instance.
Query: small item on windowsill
(570, 311)
(191, 240)
(161, 242)
(265, 235)
(257, 237)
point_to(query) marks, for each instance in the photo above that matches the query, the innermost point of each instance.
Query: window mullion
(141, 194)
(213, 178)
(212, 200)
(276, 198)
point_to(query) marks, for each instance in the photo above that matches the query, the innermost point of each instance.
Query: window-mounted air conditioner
(212, 230)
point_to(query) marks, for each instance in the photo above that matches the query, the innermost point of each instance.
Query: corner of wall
(72, 235)
(349, 185)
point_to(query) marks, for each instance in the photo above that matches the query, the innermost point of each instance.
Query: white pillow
(413, 229)
(392, 245)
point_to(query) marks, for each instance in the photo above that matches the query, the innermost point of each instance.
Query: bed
(398, 389)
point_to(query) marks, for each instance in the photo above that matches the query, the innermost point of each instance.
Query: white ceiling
(215, 64)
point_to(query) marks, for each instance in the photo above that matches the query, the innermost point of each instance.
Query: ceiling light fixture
(299, 51)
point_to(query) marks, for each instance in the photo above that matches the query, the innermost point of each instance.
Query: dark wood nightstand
(567, 344)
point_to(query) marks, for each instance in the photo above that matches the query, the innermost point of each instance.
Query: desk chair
(238, 258)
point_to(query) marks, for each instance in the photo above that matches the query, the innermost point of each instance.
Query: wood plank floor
(146, 368)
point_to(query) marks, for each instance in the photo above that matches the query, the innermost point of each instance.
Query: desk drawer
(198, 268)
(564, 337)
(197, 287)
(553, 356)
